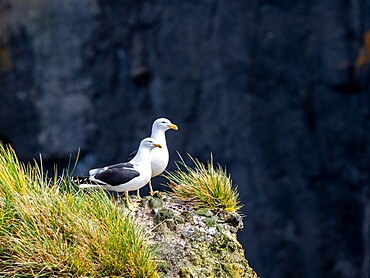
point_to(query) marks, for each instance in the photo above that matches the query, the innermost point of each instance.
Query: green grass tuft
(49, 228)
(205, 185)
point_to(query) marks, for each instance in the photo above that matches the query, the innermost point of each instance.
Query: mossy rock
(162, 266)
(196, 242)
(171, 224)
(186, 273)
(210, 221)
(155, 203)
(164, 214)
(205, 212)
(179, 219)
(234, 219)
(234, 270)
(188, 216)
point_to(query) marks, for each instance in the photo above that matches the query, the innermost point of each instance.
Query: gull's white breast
(159, 160)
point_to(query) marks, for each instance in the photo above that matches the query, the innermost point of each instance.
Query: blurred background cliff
(278, 91)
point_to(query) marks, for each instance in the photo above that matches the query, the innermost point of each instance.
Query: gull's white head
(149, 143)
(163, 124)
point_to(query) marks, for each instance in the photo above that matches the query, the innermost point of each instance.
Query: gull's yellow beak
(173, 126)
(158, 145)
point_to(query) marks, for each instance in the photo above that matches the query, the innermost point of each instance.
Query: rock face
(193, 242)
(278, 91)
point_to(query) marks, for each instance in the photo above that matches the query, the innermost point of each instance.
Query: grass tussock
(205, 185)
(46, 230)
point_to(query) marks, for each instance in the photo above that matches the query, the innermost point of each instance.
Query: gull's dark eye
(163, 122)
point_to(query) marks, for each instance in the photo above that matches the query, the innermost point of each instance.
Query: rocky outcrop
(193, 242)
(278, 91)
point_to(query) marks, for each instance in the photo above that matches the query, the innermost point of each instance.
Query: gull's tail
(84, 182)
(80, 179)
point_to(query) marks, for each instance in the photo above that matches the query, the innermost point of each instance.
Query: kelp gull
(124, 177)
(159, 157)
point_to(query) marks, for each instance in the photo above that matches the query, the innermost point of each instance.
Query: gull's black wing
(116, 175)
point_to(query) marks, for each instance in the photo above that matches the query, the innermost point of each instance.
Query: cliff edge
(193, 242)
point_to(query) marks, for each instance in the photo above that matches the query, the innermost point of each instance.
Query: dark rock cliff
(278, 91)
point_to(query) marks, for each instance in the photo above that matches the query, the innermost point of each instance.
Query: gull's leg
(138, 194)
(131, 206)
(151, 188)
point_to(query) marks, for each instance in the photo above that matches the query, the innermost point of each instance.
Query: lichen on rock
(193, 242)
